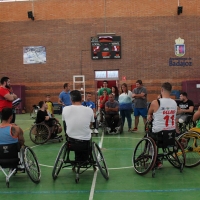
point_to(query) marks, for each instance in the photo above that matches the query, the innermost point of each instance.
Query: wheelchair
(156, 147)
(186, 125)
(93, 157)
(190, 141)
(41, 133)
(13, 159)
(33, 113)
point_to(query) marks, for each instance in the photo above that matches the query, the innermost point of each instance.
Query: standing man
(6, 97)
(105, 87)
(64, 100)
(140, 103)
(185, 108)
(90, 104)
(78, 119)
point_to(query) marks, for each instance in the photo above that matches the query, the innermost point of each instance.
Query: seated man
(90, 104)
(10, 133)
(78, 119)
(112, 113)
(42, 116)
(163, 112)
(196, 118)
(185, 109)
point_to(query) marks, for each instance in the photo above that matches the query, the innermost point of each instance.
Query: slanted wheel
(176, 155)
(59, 160)
(144, 156)
(31, 164)
(99, 158)
(190, 142)
(39, 133)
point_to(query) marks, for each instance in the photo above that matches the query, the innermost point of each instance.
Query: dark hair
(65, 85)
(116, 91)
(4, 79)
(167, 86)
(125, 85)
(139, 81)
(6, 113)
(105, 81)
(40, 104)
(75, 96)
(184, 94)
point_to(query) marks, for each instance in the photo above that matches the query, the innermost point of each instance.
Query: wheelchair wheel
(176, 155)
(39, 133)
(148, 127)
(59, 160)
(31, 164)
(144, 156)
(99, 158)
(190, 142)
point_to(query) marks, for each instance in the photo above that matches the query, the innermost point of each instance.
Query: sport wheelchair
(33, 113)
(14, 159)
(147, 154)
(187, 125)
(93, 157)
(190, 141)
(40, 133)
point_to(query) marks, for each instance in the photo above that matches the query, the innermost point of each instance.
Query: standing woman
(125, 105)
(115, 92)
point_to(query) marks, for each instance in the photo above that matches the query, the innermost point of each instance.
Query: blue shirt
(65, 98)
(89, 104)
(6, 137)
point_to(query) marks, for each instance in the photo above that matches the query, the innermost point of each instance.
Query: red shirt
(3, 102)
(101, 98)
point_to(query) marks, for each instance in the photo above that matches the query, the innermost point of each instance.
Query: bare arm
(153, 108)
(17, 132)
(196, 115)
(190, 110)
(10, 97)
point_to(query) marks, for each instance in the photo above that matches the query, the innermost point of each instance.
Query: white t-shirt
(77, 119)
(164, 118)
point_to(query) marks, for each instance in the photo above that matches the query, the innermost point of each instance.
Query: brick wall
(148, 30)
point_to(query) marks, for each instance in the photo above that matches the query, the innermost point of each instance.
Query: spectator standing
(125, 105)
(105, 87)
(140, 103)
(115, 92)
(50, 105)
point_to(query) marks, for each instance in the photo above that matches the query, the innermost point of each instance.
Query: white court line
(95, 173)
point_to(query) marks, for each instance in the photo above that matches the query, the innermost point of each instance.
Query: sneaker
(134, 129)
(159, 164)
(96, 131)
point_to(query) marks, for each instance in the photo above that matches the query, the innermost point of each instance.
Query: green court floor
(123, 184)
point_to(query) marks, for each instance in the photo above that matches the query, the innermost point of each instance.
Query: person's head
(111, 97)
(124, 88)
(105, 84)
(166, 88)
(42, 105)
(88, 96)
(115, 90)
(48, 97)
(75, 96)
(5, 81)
(183, 96)
(66, 87)
(7, 114)
(138, 84)
(105, 92)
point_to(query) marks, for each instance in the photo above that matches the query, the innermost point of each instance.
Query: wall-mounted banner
(179, 47)
(34, 55)
(183, 62)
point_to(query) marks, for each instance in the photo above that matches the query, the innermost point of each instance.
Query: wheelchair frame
(95, 159)
(190, 142)
(40, 133)
(187, 125)
(33, 113)
(31, 166)
(146, 154)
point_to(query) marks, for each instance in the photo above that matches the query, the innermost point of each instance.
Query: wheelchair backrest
(164, 139)
(9, 151)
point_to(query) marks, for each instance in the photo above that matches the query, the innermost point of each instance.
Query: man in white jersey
(163, 113)
(78, 119)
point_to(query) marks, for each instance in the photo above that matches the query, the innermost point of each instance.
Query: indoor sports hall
(47, 43)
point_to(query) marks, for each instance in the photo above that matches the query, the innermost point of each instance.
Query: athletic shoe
(134, 129)
(96, 131)
(159, 164)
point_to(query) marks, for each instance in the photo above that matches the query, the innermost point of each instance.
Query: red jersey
(101, 98)
(3, 102)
